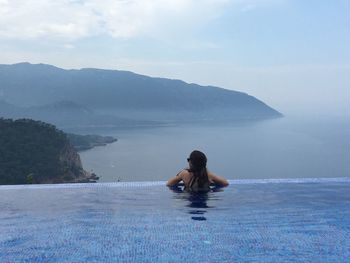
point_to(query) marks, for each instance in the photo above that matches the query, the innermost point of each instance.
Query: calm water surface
(266, 222)
(280, 148)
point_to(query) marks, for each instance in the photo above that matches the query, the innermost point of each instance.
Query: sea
(288, 147)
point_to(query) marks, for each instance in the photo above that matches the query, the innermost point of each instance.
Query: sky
(292, 54)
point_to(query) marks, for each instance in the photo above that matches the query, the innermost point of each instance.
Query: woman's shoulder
(184, 172)
(185, 175)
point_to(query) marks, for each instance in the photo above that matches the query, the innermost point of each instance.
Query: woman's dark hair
(199, 169)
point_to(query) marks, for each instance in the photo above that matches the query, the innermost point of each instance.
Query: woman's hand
(217, 179)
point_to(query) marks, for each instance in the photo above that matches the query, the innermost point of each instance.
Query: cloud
(22, 19)
(75, 19)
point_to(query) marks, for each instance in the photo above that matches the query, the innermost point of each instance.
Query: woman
(197, 177)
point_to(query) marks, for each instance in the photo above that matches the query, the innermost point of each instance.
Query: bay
(279, 148)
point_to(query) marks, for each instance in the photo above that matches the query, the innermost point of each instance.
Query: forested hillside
(37, 152)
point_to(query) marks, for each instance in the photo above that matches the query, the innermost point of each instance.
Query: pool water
(249, 221)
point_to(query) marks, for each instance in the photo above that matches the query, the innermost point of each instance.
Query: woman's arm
(217, 179)
(175, 180)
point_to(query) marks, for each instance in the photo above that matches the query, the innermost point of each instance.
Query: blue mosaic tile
(297, 220)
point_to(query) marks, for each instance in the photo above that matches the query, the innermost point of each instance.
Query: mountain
(67, 114)
(9, 110)
(125, 94)
(37, 152)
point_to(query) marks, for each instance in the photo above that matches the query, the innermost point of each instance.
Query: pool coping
(158, 183)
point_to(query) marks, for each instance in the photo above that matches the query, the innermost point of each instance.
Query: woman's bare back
(186, 176)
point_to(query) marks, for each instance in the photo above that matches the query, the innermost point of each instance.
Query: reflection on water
(196, 201)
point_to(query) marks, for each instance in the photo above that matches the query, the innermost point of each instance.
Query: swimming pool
(249, 221)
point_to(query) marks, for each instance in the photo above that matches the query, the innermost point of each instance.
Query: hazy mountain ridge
(67, 114)
(125, 94)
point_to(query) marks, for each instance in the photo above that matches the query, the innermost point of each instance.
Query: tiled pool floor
(147, 222)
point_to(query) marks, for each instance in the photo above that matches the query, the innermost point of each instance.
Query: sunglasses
(188, 159)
